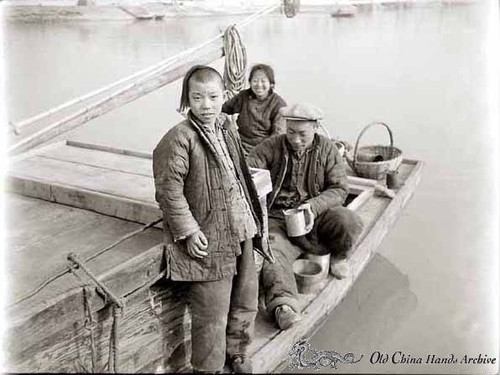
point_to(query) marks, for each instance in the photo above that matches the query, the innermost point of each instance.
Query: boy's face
(300, 134)
(260, 84)
(206, 99)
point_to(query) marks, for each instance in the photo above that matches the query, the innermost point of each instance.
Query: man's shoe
(286, 316)
(340, 268)
(240, 364)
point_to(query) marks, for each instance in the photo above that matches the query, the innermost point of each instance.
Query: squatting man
(307, 172)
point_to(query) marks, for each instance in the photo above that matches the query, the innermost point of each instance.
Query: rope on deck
(66, 269)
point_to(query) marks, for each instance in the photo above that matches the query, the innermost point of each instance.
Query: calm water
(433, 286)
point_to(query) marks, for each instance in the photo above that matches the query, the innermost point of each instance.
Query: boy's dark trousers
(223, 314)
(335, 231)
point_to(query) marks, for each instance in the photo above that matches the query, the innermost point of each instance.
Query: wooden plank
(357, 189)
(101, 159)
(120, 207)
(360, 200)
(125, 95)
(41, 234)
(39, 317)
(111, 182)
(28, 154)
(114, 150)
(87, 177)
(156, 333)
(354, 180)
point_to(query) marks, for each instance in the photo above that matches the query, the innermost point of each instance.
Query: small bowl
(308, 275)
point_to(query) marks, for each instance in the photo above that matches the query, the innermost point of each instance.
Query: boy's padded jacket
(192, 191)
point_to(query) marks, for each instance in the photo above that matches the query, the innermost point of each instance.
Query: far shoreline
(32, 11)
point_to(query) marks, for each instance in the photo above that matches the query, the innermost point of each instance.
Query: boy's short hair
(268, 71)
(200, 73)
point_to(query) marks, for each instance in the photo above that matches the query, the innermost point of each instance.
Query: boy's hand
(196, 243)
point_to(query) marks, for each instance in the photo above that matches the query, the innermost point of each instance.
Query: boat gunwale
(151, 259)
(365, 251)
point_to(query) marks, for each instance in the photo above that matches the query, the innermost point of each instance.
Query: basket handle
(363, 131)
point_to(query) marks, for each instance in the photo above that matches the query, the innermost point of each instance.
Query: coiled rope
(291, 7)
(235, 65)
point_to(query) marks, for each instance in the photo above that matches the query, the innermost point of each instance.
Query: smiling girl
(258, 108)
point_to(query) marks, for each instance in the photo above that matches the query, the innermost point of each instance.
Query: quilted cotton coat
(192, 191)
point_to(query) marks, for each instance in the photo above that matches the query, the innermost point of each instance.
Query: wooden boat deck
(47, 332)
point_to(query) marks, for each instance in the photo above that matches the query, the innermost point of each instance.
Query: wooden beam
(121, 207)
(125, 95)
(360, 199)
(113, 150)
(361, 181)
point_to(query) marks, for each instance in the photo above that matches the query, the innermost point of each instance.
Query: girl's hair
(200, 73)
(268, 71)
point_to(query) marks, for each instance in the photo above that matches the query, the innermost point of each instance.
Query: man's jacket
(192, 190)
(326, 178)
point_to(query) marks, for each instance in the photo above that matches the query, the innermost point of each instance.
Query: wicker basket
(374, 162)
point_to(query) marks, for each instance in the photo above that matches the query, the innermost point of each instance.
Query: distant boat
(140, 12)
(344, 11)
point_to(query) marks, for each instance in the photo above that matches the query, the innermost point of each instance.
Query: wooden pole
(152, 78)
(115, 100)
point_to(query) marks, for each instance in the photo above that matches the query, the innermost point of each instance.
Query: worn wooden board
(102, 179)
(41, 234)
(49, 329)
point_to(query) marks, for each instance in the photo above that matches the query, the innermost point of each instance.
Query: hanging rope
(291, 7)
(117, 305)
(114, 340)
(235, 65)
(90, 325)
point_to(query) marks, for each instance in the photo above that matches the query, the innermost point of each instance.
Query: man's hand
(308, 215)
(196, 244)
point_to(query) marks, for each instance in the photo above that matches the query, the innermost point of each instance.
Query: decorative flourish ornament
(323, 358)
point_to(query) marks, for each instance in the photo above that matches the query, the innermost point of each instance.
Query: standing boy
(212, 222)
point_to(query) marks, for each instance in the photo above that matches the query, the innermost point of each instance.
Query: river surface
(432, 287)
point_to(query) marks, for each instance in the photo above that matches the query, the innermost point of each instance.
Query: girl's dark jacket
(192, 190)
(326, 178)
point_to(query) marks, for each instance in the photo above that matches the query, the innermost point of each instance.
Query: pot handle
(355, 156)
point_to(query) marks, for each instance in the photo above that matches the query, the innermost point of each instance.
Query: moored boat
(87, 287)
(72, 324)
